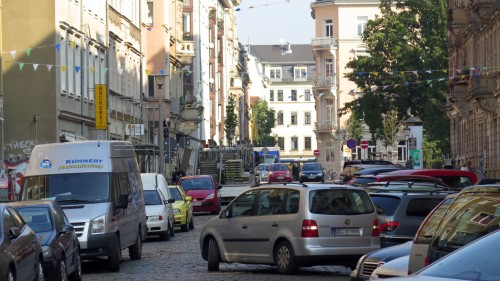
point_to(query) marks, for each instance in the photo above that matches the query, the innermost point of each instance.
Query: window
(307, 143)
(186, 23)
(293, 95)
(307, 95)
(307, 118)
(275, 73)
(361, 22)
(328, 28)
(329, 68)
(150, 14)
(242, 206)
(281, 143)
(330, 148)
(271, 95)
(293, 118)
(300, 73)
(280, 118)
(294, 143)
(280, 95)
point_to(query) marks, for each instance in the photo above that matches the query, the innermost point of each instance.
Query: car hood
(84, 212)
(311, 172)
(396, 268)
(44, 238)
(421, 278)
(154, 210)
(393, 252)
(199, 193)
(177, 204)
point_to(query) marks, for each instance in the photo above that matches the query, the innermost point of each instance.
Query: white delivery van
(99, 187)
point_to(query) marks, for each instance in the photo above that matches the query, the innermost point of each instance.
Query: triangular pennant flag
(406, 84)
(444, 70)
(375, 74)
(402, 73)
(120, 71)
(92, 69)
(28, 51)
(63, 68)
(415, 72)
(49, 67)
(463, 77)
(149, 28)
(441, 79)
(164, 25)
(161, 72)
(428, 71)
(77, 68)
(385, 87)
(35, 66)
(105, 69)
(13, 54)
(458, 70)
(21, 65)
(429, 81)
(396, 85)
(72, 44)
(148, 72)
(58, 47)
(391, 73)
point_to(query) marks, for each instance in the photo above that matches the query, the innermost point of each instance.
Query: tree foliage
(231, 120)
(354, 127)
(407, 49)
(433, 157)
(391, 125)
(263, 121)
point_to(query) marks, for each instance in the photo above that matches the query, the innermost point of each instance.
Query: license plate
(312, 177)
(281, 178)
(196, 203)
(346, 231)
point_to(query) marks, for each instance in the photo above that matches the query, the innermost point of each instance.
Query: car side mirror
(189, 198)
(67, 228)
(122, 201)
(14, 232)
(219, 186)
(226, 213)
(171, 200)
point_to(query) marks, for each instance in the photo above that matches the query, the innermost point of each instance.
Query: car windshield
(69, 188)
(311, 167)
(197, 184)
(176, 194)
(340, 202)
(264, 167)
(151, 197)
(279, 168)
(38, 218)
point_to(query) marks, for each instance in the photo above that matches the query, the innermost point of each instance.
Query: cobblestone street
(180, 259)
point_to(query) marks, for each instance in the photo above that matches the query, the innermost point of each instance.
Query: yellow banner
(101, 108)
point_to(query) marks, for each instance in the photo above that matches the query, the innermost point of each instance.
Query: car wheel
(39, 271)
(77, 274)
(115, 255)
(191, 223)
(284, 258)
(185, 227)
(10, 275)
(165, 236)
(213, 255)
(135, 251)
(63, 270)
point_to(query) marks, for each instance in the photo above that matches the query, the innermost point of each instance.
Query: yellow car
(183, 210)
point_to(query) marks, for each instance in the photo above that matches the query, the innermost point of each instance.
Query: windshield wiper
(73, 201)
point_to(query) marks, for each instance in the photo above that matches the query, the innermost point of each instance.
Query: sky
(266, 22)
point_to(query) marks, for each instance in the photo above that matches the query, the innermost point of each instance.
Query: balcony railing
(325, 126)
(324, 42)
(186, 52)
(326, 81)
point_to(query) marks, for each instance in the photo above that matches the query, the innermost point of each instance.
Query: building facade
(474, 98)
(284, 78)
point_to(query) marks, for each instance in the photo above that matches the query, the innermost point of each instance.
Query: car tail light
(376, 229)
(426, 261)
(389, 226)
(309, 228)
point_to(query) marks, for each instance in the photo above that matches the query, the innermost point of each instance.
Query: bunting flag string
(262, 5)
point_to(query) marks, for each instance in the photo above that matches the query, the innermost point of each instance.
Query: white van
(99, 187)
(159, 208)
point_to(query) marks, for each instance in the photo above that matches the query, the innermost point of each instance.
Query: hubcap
(283, 257)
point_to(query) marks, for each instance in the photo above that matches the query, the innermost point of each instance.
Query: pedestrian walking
(409, 163)
(467, 166)
(177, 174)
(295, 172)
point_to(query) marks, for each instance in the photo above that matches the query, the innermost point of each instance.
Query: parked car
(57, 237)
(263, 171)
(475, 261)
(367, 162)
(293, 225)
(279, 172)
(382, 258)
(472, 214)
(311, 172)
(183, 210)
(204, 192)
(364, 180)
(457, 179)
(406, 186)
(20, 253)
(377, 170)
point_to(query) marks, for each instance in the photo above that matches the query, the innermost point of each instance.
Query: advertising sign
(101, 107)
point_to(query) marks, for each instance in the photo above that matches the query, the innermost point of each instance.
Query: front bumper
(157, 226)
(98, 245)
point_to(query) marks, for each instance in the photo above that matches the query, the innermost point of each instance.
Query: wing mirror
(189, 198)
(67, 228)
(14, 232)
(171, 200)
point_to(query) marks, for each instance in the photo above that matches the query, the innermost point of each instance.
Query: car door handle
(244, 226)
(274, 225)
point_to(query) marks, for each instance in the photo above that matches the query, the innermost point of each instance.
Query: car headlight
(320, 174)
(177, 212)
(211, 196)
(98, 224)
(46, 251)
(155, 218)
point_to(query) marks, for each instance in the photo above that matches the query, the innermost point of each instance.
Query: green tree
(391, 125)
(354, 127)
(407, 53)
(231, 117)
(433, 156)
(263, 121)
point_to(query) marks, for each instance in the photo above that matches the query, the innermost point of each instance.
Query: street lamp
(407, 138)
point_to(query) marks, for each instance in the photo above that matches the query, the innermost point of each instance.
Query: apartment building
(473, 102)
(283, 75)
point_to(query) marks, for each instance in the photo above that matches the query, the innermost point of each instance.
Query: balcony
(185, 51)
(325, 126)
(325, 82)
(482, 88)
(325, 43)
(484, 8)
(457, 21)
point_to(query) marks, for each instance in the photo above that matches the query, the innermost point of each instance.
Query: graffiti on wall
(16, 160)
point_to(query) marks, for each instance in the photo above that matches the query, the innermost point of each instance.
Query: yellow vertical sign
(101, 108)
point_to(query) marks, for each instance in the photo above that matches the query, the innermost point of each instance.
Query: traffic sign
(351, 143)
(316, 153)
(364, 144)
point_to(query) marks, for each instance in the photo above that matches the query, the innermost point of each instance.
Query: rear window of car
(386, 205)
(340, 202)
(469, 217)
(421, 207)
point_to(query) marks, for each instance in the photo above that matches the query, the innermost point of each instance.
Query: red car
(457, 179)
(204, 191)
(279, 172)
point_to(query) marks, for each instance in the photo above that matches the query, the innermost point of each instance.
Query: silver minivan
(292, 225)
(98, 185)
